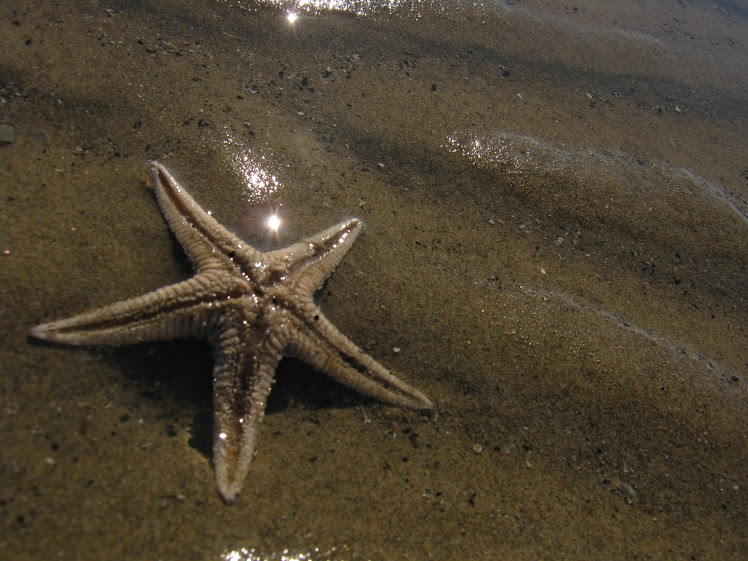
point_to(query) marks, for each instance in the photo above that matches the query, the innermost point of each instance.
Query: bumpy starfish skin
(252, 307)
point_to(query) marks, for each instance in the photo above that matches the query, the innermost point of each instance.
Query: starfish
(252, 307)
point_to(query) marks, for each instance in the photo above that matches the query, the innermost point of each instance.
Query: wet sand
(556, 252)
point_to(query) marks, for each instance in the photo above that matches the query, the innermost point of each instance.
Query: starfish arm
(309, 262)
(177, 311)
(205, 241)
(242, 378)
(320, 344)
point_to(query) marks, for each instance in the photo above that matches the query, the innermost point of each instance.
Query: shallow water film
(555, 251)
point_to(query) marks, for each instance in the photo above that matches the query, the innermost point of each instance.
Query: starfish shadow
(180, 372)
(297, 385)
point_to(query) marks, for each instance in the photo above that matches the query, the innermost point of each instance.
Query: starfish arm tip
(44, 332)
(418, 401)
(228, 493)
(155, 166)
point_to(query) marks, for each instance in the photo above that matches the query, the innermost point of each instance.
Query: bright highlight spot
(222, 435)
(273, 222)
(292, 17)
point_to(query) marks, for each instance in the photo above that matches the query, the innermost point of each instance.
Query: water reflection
(245, 554)
(361, 7)
(513, 153)
(261, 188)
(519, 155)
(253, 169)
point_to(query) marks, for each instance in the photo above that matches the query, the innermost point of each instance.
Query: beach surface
(555, 251)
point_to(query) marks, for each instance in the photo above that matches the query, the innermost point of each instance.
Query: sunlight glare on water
(366, 7)
(251, 167)
(245, 554)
